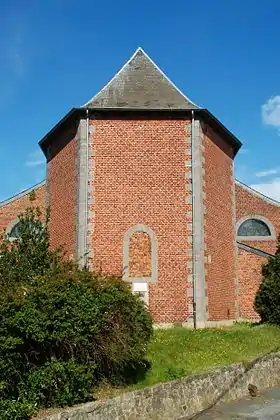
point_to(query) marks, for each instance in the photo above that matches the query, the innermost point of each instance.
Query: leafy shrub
(14, 410)
(63, 329)
(267, 300)
(57, 383)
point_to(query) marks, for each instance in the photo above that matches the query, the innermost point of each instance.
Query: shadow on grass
(129, 374)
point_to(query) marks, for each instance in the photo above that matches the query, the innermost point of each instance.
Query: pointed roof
(140, 85)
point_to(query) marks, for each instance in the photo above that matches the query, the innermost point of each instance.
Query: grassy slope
(179, 352)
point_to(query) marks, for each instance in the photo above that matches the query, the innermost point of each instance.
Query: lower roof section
(253, 250)
(22, 193)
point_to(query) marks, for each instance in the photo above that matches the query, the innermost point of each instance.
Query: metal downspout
(86, 189)
(193, 220)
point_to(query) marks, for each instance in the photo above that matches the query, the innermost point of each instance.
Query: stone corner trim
(184, 397)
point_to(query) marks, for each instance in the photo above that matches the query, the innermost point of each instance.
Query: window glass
(14, 233)
(253, 227)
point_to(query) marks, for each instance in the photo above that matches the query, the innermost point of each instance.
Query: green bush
(14, 410)
(57, 383)
(63, 329)
(267, 300)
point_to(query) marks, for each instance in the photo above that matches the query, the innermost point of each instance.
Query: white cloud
(270, 189)
(35, 159)
(268, 172)
(271, 112)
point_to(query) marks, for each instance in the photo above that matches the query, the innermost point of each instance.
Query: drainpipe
(193, 220)
(86, 189)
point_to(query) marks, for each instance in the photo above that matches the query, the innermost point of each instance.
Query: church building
(140, 183)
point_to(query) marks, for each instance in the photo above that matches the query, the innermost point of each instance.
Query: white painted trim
(123, 67)
(256, 238)
(22, 194)
(258, 194)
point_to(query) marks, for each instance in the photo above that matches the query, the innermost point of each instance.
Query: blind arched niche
(140, 258)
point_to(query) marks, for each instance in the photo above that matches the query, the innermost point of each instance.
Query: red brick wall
(62, 192)
(140, 178)
(248, 203)
(140, 255)
(249, 278)
(10, 211)
(219, 228)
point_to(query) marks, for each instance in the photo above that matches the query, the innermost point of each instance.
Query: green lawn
(178, 352)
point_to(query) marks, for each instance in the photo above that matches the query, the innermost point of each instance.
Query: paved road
(264, 407)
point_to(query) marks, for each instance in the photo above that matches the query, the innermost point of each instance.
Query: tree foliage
(267, 300)
(62, 329)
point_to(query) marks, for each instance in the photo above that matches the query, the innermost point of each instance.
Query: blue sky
(56, 54)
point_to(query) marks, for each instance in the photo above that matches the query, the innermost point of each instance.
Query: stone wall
(184, 397)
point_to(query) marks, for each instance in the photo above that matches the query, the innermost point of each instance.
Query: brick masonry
(62, 192)
(12, 208)
(219, 229)
(139, 172)
(251, 203)
(140, 255)
(249, 275)
(140, 177)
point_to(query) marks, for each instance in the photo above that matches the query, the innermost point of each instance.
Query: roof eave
(78, 112)
(45, 141)
(208, 116)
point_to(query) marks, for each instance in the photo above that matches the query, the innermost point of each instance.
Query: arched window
(14, 232)
(255, 228)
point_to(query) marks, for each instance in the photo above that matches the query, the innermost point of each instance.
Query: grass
(179, 352)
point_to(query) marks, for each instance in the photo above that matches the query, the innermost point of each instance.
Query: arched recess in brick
(140, 258)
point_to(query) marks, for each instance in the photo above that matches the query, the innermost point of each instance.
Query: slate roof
(140, 85)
